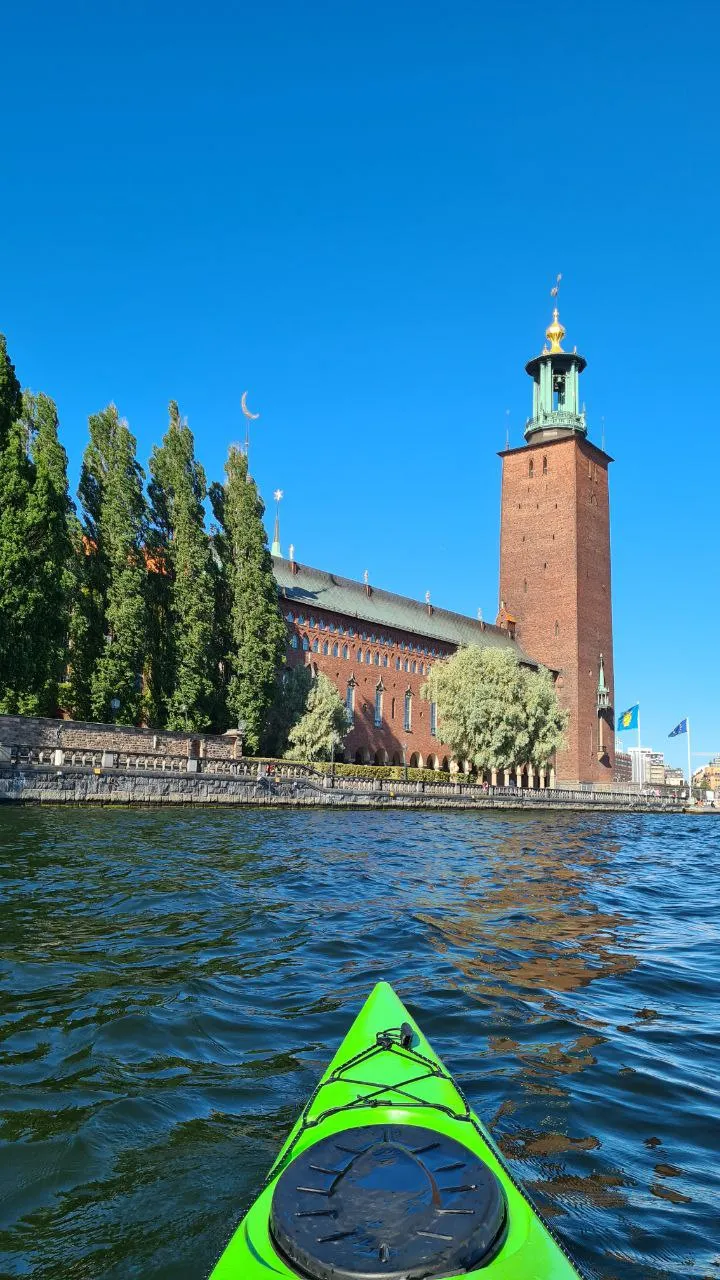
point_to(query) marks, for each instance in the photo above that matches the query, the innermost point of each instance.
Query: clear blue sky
(356, 211)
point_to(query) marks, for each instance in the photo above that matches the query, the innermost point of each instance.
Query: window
(544, 466)
(326, 647)
(531, 468)
(377, 659)
(293, 642)
(397, 664)
(402, 646)
(301, 619)
(407, 723)
(350, 702)
(557, 628)
(422, 668)
(385, 660)
(290, 615)
(313, 623)
(316, 645)
(359, 655)
(346, 651)
(321, 625)
(392, 709)
(378, 705)
(305, 644)
(368, 656)
(433, 719)
(407, 664)
(413, 667)
(331, 627)
(336, 650)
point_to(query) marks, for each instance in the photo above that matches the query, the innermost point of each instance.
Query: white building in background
(641, 757)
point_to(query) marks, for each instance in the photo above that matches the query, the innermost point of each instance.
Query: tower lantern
(556, 401)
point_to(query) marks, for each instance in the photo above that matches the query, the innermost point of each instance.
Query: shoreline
(81, 786)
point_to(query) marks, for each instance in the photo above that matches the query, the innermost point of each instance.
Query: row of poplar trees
(125, 608)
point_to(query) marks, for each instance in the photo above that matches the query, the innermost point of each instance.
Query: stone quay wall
(81, 786)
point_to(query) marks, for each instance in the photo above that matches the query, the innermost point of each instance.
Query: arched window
(402, 646)
(346, 651)
(378, 705)
(413, 667)
(392, 709)
(326, 647)
(433, 719)
(544, 466)
(350, 702)
(397, 664)
(359, 655)
(315, 645)
(368, 657)
(407, 664)
(313, 623)
(407, 722)
(305, 644)
(331, 626)
(385, 660)
(377, 659)
(321, 624)
(301, 619)
(290, 615)
(336, 650)
(293, 642)
(531, 468)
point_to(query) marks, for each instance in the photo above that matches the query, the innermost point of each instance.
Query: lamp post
(335, 742)
(241, 727)
(404, 751)
(114, 706)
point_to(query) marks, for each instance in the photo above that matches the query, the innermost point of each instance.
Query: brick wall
(555, 580)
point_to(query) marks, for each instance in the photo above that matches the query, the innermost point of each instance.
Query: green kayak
(388, 1175)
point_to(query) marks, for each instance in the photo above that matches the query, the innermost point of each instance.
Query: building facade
(377, 648)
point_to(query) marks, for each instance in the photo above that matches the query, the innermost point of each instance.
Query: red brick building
(555, 605)
(377, 648)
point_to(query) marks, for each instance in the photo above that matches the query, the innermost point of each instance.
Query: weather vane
(556, 287)
(249, 417)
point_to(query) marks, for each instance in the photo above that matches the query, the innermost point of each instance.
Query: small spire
(275, 548)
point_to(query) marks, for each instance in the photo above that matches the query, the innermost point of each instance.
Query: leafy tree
(288, 707)
(183, 604)
(494, 712)
(256, 629)
(324, 717)
(116, 512)
(10, 393)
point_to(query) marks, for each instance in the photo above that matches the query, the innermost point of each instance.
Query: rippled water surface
(174, 983)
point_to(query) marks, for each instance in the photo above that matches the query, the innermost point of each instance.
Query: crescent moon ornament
(246, 411)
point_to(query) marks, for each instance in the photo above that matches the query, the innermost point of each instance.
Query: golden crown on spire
(555, 333)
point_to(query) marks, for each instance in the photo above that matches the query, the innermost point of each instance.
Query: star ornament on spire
(278, 494)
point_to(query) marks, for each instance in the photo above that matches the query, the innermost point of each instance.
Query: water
(172, 985)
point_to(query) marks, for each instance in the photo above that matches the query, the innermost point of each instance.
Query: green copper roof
(313, 588)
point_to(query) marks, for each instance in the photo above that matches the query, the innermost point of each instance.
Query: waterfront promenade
(289, 786)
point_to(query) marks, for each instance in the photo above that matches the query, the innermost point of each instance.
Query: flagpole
(640, 768)
(690, 794)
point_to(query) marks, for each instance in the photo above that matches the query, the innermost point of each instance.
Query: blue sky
(356, 211)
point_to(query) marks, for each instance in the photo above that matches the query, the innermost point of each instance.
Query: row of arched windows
(405, 646)
(411, 665)
(531, 467)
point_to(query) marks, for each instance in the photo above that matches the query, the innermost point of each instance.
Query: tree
(324, 718)
(117, 513)
(48, 514)
(494, 712)
(257, 631)
(183, 604)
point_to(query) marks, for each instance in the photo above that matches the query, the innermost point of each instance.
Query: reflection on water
(172, 984)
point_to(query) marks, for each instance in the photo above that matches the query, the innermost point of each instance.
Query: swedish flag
(629, 719)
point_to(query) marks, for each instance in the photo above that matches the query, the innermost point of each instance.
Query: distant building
(674, 777)
(656, 769)
(623, 767)
(640, 757)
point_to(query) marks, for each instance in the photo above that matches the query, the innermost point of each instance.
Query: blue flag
(679, 728)
(629, 718)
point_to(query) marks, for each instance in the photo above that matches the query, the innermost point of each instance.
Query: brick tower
(555, 557)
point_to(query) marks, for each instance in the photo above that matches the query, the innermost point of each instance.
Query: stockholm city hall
(554, 603)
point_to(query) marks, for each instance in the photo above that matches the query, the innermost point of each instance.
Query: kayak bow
(388, 1175)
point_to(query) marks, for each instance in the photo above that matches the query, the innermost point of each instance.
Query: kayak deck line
(354, 1150)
